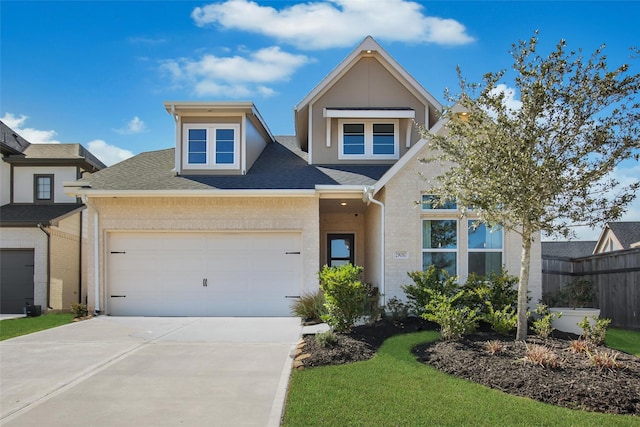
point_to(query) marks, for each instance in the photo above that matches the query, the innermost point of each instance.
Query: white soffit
(369, 114)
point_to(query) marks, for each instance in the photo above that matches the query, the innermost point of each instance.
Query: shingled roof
(282, 165)
(29, 215)
(569, 249)
(10, 141)
(627, 232)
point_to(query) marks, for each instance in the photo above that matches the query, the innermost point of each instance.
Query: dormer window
(368, 139)
(211, 146)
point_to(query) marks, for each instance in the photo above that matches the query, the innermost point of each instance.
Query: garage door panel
(247, 274)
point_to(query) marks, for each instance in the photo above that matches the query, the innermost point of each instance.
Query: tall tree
(543, 165)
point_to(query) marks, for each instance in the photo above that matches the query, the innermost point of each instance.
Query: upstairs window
(368, 139)
(43, 188)
(431, 202)
(211, 146)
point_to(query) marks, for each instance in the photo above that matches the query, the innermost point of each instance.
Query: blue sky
(97, 73)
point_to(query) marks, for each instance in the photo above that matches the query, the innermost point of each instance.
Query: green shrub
(594, 335)
(579, 293)
(454, 320)
(498, 289)
(542, 326)
(433, 279)
(79, 310)
(327, 338)
(397, 309)
(345, 295)
(309, 307)
(502, 321)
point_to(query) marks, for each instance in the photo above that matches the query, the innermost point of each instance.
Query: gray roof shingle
(282, 165)
(32, 215)
(627, 232)
(572, 249)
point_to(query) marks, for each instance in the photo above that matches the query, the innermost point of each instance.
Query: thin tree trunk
(523, 285)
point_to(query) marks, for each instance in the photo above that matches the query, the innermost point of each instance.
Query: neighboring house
(40, 226)
(236, 222)
(617, 236)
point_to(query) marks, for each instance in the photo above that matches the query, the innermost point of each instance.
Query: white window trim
(368, 140)
(455, 250)
(211, 146)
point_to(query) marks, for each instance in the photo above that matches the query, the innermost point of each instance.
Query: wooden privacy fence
(616, 275)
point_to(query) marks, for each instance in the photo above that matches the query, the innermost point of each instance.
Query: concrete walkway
(143, 371)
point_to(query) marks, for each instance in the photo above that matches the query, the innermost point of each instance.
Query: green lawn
(393, 389)
(11, 328)
(623, 340)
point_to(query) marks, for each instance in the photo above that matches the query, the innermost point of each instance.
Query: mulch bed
(576, 383)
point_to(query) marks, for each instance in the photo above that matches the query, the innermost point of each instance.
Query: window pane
(43, 188)
(442, 260)
(484, 237)
(197, 135)
(439, 234)
(383, 128)
(224, 158)
(340, 248)
(383, 138)
(225, 146)
(197, 146)
(429, 201)
(483, 263)
(224, 135)
(353, 138)
(197, 158)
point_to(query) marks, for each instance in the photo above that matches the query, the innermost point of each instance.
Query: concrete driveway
(147, 371)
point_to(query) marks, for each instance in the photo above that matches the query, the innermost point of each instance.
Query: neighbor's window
(212, 146)
(368, 139)
(431, 202)
(485, 248)
(43, 188)
(440, 244)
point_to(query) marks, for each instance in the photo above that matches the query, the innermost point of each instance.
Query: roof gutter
(72, 189)
(367, 197)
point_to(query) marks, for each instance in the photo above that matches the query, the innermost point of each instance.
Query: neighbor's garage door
(16, 279)
(197, 274)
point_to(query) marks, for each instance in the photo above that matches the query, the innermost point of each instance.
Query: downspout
(96, 258)
(80, 262)
(368, 198)
(41, 227)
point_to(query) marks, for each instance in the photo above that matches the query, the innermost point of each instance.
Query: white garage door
(203, 274)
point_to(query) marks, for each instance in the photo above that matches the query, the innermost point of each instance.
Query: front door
(340, 249)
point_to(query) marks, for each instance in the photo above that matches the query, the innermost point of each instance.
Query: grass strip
(11, 328)
(393, 389)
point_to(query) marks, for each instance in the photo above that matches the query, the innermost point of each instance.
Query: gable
(368, 77)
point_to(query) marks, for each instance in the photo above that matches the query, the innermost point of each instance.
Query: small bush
(605, 360)
(494, 346)
(542, 356)
(594, 334)
(502, 321)
(345, 295)
(498, 289)
(79, 310)
(433, 279)
(397, 309)
(454, 320)
(309, 307)
(326, 339)
(580, 346)
(542, 326)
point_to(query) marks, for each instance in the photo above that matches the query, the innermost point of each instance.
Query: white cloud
(108, 154)
(235, 76)
(335, 23)
(509, 99)
(32, 135)
(134, 126)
